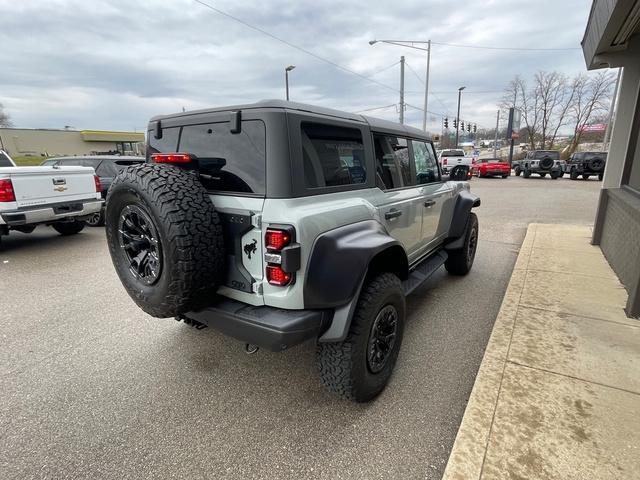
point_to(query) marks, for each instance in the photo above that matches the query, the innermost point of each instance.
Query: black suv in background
(106, 167)
(586, 164)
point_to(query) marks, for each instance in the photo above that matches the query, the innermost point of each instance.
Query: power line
(383, 69)
(481, 47)
(414, 72)
(292, 45)
(377, 108)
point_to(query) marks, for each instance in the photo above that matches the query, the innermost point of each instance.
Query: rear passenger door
(434, 193)
(402, 205)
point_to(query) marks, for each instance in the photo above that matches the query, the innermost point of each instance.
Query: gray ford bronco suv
(278, 222)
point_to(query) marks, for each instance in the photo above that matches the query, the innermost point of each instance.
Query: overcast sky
(112, 64)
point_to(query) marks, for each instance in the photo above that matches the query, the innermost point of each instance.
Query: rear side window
(426, 163)
(4, 161)
(332, 155)
(393, 169)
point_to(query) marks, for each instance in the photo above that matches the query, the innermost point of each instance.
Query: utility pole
(458, 114)
(286, 79)
(607, 132)
(402, 89)
(495, 142)
(510, 127)
(426, 88)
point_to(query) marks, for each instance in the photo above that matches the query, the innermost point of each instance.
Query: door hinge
(256, 221)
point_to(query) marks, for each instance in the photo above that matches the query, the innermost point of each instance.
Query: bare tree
(591, 99)
(550, 88)
(5, 120)
(517, 95)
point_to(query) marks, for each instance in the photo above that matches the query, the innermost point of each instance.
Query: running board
(423, 271)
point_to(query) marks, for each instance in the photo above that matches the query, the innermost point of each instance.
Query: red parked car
(491, 167)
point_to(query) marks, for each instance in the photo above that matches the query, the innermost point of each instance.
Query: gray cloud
(113, 64)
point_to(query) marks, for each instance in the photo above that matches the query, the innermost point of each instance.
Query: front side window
(426, 163)
(393, 168)
(332, 155)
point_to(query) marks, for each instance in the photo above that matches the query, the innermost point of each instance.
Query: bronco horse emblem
(250, 248)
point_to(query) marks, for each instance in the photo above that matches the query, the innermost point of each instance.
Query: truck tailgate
(46, 185)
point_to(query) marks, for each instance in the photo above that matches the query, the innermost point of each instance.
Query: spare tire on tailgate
(596, 164)
(165, 238)
(546, 163)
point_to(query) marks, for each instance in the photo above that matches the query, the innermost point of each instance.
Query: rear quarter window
(332, 155)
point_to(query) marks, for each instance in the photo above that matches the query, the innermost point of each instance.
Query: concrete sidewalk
(557, 395)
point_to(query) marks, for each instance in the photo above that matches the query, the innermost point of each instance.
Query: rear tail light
(96, 179)
(473, 161)
(276, 239)
(6, 191)
(277, 276)
(444, 161)
(171, 158)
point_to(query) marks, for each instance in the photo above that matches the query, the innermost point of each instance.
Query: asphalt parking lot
(94, 388)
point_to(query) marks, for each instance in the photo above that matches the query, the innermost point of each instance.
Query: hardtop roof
(375, 124)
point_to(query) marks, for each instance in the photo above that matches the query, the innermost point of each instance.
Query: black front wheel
(360, 367)
(460, 261)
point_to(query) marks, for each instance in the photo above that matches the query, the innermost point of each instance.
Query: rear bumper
(51, 213)
(271, 328)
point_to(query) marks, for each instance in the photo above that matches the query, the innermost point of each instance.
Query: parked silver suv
(541, 162)
(278, 223)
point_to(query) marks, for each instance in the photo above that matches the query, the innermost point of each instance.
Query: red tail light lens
(277, 276)
(96, 179)
(6, 191)
(171, 158)
(444, 161)
(276, 239)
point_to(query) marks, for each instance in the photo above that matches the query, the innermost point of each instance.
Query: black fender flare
(340, 260)
(464, 203)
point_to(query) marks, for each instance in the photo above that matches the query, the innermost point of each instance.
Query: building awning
(102, 136)
(611, 25)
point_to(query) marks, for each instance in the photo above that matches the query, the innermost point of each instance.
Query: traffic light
(446, 122)
(462, 126)
(468, 127)
(475, 128)
(455, 123)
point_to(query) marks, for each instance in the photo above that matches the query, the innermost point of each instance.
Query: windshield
(551, 154)
(452, 153)
(5, 161)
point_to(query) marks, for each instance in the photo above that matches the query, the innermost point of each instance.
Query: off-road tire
(460, 261)
(554, 176)
(596, 164)
(585, 176)
(526, 173)
(546, 163)
(574, 174)
(505, 176)
(600, 176)
(542, 174)
(343, 366)
(191, 243)
(517, 171)
(69, 228)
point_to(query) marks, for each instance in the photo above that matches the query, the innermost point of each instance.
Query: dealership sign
(596, 127)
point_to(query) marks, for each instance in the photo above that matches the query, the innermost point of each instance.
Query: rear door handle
(392, 214)
(429, 203)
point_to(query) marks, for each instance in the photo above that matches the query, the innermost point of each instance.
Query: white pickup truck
(62, 197)
(455, 159)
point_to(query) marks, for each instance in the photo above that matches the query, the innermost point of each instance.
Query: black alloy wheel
(382, 338)
(140, 243)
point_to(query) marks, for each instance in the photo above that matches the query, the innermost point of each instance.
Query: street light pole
(426, 88)
(286, 78)
(411, 44)
(458, 115)
(402, 89)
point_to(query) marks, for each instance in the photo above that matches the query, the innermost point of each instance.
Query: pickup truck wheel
(165, 239)
(359, 368)
(69, 228)
(460, 261)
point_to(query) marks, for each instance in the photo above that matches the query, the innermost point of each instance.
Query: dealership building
(21, 142)
(612, 40)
